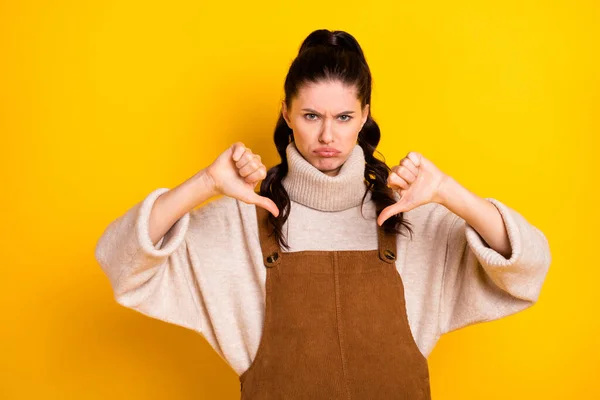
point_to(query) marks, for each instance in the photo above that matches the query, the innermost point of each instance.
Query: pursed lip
(326, 150)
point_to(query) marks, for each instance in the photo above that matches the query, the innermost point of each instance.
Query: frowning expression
(326, 118)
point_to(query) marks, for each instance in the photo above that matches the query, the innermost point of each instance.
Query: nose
(326, 135)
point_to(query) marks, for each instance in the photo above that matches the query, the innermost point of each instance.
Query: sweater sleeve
(154, 280)
(480, 284)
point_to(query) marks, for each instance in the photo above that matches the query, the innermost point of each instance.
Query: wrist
(445, 189)
(204, 186)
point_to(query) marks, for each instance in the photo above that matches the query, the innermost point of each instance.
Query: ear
(284, 112)
(366, 111)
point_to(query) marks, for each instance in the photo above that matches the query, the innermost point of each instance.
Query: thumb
(263, 202)
(387, 212)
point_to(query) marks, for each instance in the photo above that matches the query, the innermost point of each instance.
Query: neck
(307, 185)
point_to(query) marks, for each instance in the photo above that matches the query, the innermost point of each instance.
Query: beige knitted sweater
(207, 272)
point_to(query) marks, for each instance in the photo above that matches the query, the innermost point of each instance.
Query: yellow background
(103, 101)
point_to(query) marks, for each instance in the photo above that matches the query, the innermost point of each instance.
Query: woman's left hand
(417, 180)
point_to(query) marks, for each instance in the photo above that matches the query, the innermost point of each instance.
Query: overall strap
(271, 252)
(387, 245)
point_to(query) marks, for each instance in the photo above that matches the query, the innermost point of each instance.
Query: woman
(311, 288)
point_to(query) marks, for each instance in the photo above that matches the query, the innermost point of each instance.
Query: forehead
(327, 95)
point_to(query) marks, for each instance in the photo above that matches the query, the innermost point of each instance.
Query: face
(326, 118)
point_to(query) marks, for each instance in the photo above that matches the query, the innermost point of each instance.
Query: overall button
(389, 255)
(272, 258)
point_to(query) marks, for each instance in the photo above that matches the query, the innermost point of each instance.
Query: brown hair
(324, 56)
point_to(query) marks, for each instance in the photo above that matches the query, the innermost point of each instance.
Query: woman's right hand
(236, 172)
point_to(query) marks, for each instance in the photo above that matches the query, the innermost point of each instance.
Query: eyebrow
(316, 112)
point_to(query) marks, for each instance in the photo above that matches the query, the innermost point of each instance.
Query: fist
(417, 180)
(236, 172)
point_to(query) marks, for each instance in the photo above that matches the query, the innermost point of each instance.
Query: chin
(328, 165)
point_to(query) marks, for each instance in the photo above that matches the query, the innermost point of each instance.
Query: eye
(310, 119)
(345, 115)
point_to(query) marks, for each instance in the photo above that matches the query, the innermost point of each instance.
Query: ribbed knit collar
(306, 185)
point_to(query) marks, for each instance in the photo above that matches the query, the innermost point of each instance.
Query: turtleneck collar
(306, 185)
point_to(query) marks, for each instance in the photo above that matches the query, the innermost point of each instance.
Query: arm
(478, 213)
(144, 254)
(496, 261)
(172, 205)
(150, 257)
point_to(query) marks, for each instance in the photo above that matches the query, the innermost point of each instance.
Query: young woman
(312, 288)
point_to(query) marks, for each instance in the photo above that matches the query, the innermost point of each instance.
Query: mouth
(326, 152)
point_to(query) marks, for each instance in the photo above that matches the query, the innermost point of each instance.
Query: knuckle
(414, 155)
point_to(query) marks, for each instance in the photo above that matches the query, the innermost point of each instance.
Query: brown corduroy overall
(335, 327)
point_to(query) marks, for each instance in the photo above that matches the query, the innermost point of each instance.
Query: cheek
(305, 129)
(354, 126)
(350, 129)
